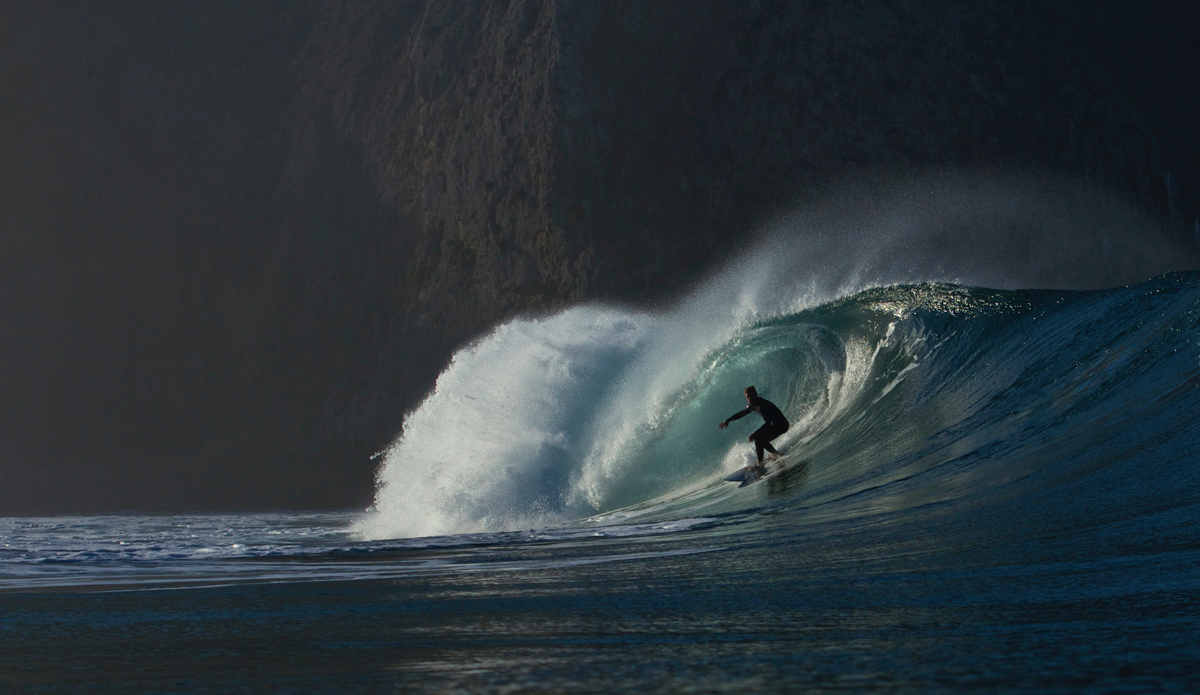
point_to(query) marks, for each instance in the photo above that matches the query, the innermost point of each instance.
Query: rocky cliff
(252, 235)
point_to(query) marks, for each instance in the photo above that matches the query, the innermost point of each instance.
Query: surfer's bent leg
(762, 439)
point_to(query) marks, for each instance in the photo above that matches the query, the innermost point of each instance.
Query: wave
(901, 394)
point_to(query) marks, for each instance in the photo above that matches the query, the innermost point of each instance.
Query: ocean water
(982, 491)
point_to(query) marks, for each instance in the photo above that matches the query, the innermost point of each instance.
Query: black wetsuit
(776, 425)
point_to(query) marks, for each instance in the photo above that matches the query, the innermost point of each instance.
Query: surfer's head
(751, 394)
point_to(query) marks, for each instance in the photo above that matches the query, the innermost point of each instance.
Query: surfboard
(745, 476)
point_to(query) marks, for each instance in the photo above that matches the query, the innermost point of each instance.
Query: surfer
(776, 423)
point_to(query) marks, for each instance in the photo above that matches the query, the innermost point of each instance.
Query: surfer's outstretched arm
(731, 418)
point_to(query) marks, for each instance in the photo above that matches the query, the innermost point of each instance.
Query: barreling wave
(901, 394)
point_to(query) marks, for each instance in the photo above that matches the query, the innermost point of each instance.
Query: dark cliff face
(573, 149)
(240, 241)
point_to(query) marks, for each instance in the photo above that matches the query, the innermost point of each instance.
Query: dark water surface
(742, 605)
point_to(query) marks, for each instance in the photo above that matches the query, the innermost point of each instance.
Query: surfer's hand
(723, 424)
